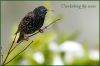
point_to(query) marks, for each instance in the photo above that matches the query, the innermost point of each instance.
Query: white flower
(53, 46)
(94, 54)
(38, 57)
(24, 62)
(72, 50)
(57, 60)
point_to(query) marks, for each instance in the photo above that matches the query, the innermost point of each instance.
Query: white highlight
(24, 62)
(57, 60)
(72, 50)
(38, 57)
(94, 54)
(53, 46)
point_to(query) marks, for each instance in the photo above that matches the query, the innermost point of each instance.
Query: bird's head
(40, 11)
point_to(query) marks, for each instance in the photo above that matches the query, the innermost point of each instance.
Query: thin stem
(1, 55)
(14, 47)
(9, 50)
(2, 58)
(45, 27)
(19, 53)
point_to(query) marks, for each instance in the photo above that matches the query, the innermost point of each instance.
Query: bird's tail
(21, 37)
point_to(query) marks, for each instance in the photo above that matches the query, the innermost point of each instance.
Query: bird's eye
(43, 10)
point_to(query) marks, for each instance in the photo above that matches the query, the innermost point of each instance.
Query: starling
(32, 22)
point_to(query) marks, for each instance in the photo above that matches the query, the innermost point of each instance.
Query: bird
(32, 22)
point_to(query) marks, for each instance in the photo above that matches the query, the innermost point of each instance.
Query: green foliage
(41, 41)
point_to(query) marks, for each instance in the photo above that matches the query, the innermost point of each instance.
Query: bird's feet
(41, 30)
(26, 37)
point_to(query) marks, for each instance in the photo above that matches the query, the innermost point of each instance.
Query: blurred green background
(74, 40)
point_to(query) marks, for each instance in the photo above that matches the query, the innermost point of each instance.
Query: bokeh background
(74, 40)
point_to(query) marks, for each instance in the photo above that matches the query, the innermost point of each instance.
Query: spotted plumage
(32, 22)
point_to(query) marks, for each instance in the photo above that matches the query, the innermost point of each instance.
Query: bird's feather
(25, 21)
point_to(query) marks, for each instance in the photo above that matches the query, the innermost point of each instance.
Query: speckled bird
(32, 22)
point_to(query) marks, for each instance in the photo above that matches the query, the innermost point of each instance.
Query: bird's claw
(41, 30)
(26, 38)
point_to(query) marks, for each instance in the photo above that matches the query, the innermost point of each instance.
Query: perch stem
(14, 47)
(45, 27)
(9, 50)
(19, 53)
(2, 58)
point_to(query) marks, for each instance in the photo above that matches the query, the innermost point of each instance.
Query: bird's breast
(34, 25)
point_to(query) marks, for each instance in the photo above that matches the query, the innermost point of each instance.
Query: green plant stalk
(9, 51)
(19, 53)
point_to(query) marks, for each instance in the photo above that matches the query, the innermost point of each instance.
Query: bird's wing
(25, 21)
